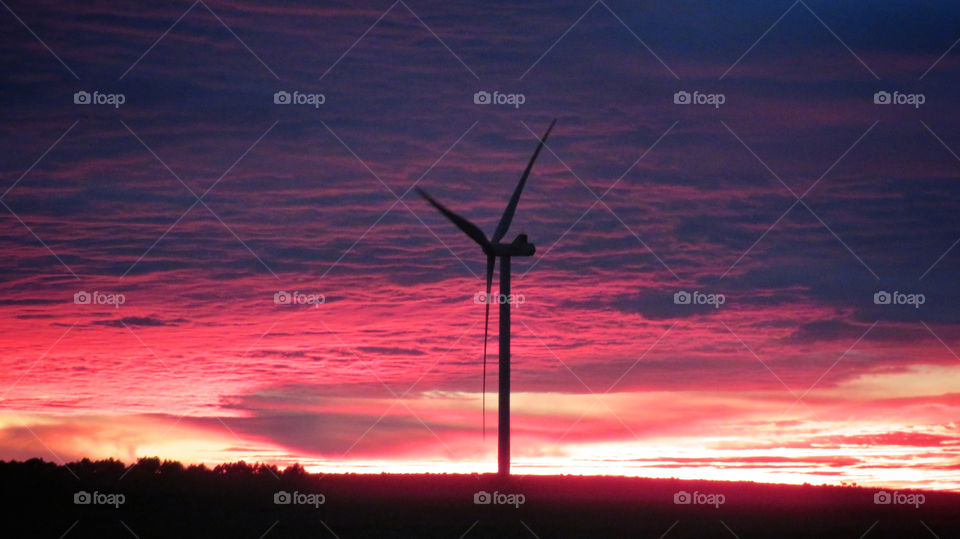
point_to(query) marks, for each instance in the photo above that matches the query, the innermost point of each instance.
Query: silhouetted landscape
(168, 499)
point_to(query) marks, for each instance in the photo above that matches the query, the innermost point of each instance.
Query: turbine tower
(493, 248)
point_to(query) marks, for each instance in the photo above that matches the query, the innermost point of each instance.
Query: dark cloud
(390, 351)
(139, 321)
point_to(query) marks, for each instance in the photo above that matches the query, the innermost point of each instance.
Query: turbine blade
(512, 206)
(467, 227)
(486, 325)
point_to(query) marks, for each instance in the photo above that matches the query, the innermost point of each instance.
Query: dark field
(238, 500)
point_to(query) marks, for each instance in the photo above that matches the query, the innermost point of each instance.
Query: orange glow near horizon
(795, 449)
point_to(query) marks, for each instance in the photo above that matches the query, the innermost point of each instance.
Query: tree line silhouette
(165, 498)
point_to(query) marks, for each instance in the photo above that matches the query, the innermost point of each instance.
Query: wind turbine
(493, 248)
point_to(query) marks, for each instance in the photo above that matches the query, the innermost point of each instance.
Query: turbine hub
(520, 246)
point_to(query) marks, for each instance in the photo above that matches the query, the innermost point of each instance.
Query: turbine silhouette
(493, 248)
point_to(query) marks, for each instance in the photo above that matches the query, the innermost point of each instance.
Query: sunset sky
(199, 198)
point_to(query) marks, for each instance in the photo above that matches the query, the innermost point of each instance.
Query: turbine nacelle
(520, 246)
